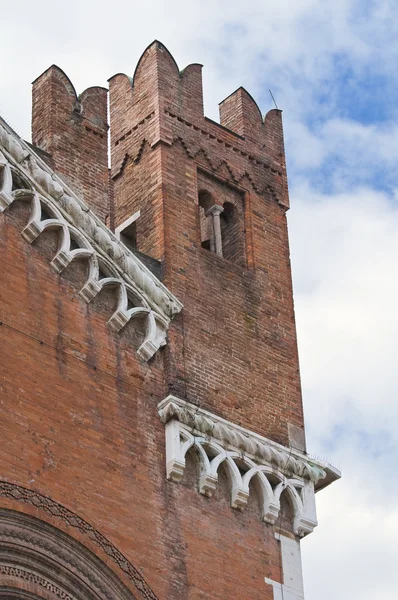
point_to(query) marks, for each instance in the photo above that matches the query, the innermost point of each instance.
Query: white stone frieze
(247, 456)
(25, 176)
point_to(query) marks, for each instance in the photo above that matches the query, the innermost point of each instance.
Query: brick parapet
(162, 104)
(73, 130)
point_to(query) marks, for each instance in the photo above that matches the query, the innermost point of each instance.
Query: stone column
(215, 239)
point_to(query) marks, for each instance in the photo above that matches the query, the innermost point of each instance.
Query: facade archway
(40, 562)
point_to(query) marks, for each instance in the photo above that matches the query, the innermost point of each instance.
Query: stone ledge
(246, 455)
(83, 235)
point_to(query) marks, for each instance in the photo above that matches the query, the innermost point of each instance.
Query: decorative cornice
(83, 235)
(134, 128)
(214, 164)
(225, 144)
(290, 461)
(246, 455)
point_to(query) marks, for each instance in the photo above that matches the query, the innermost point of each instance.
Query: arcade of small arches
(81, 241)
(252, 463)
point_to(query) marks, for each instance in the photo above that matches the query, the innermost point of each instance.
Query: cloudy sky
(332, 67)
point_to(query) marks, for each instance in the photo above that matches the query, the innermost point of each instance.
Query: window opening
(221, 228)
(129, 236)
(232, 243)
(127, 231)
(206, 225)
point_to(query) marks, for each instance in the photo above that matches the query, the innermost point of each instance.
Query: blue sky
(332, 69)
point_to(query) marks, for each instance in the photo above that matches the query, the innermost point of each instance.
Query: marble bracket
(24, 176)
(246, 456)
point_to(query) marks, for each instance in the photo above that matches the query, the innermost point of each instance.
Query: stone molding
(83, 235)
(27, 536)
(246, 455)
(35, 552)
(292, 586)
(12, 572)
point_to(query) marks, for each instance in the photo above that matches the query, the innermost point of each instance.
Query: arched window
(221, 227)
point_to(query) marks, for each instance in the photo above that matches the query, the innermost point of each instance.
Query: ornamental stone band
(25, 176)
(246, 455)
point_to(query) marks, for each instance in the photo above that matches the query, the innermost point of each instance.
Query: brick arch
(23, 538)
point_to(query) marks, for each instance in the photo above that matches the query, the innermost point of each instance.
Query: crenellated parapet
(162, 104)
(54, 206)
(247, 457)
(73, 130)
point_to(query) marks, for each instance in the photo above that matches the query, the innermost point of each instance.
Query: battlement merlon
(73, 131)
(162, 104)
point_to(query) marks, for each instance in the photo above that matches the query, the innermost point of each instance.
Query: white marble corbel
(245, 455)
(6, 197)
(25, 176)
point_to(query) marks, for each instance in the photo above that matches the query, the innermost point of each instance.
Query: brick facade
(234, 349)
(79, 421)
(74, 132)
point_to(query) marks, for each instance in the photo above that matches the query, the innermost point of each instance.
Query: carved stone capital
(214, 210)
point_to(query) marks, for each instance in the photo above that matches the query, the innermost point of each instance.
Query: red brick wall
(233, 349)
(78, 416)
(79, 424)
(73, 130)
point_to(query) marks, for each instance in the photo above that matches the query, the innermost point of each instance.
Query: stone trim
(70, 519)
(127, 223)
(292, 587)
(25, 575)
(111, 263)
(246, 455)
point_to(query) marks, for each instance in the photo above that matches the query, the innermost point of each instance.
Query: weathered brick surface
(79, 424)
(73, 130)
(233, 350)
(78, 417)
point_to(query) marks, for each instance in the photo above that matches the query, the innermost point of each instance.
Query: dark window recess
(45, 215)
(19, 182)
(74, 245)
(129, 236)
(233, 246)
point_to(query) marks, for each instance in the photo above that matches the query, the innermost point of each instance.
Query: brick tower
(151, 411)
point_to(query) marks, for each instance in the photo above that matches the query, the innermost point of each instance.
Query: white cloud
(352, 554)
(344, 250)
(344, 255)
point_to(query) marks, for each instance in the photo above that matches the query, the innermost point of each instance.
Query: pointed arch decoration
(81, 235)
(35, 555)
(246, 456)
